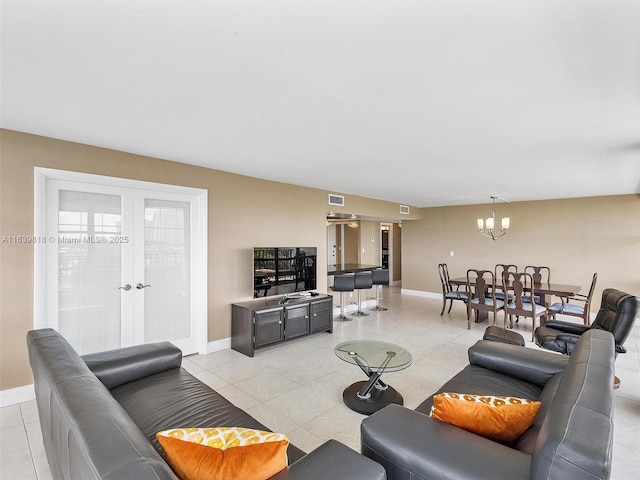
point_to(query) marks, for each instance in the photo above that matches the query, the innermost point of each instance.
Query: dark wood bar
(350, 268)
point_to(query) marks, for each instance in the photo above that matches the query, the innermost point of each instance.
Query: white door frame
(199, 240)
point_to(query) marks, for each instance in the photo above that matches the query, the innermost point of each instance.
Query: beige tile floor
(296, 388)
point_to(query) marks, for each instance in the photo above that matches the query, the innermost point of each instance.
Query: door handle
(140, 286)
(126, 287)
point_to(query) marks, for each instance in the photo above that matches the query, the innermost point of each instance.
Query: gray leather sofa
(99, 414)
(570, 439)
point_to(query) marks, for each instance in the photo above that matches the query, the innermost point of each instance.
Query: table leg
(359, 396)
(374, 377)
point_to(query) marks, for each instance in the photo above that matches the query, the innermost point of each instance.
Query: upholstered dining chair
(481, 286)
(582, 310)
(519, 282)
(448, 292)
(498, 271)
(617, 314)
(539, 275)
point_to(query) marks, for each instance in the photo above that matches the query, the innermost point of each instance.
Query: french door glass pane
(166, 255)
(89, 264)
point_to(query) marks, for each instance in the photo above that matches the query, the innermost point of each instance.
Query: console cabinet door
(296, 321)
(268, 326)
(321, 313)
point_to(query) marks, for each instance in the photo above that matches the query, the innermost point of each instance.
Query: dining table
(542, 290)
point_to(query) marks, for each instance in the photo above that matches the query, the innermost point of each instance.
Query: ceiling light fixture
(488, 227)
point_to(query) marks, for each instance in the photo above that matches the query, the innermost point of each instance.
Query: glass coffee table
(374, 358)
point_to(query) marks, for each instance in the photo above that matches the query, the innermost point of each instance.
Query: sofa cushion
(477, 380)
(123, 365)
(175, 399)
(227, 453)
(499, 418)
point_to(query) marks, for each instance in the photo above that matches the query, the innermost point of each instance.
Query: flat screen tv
(283, 270)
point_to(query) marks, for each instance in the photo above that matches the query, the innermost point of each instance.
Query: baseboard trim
(352, 307)
(217, 345)
(13, 396)
(420, 293)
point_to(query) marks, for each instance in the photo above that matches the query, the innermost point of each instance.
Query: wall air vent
(336, 200)
(404, 209)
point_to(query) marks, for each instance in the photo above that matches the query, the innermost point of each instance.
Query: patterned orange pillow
(502, 419)
(229, 453)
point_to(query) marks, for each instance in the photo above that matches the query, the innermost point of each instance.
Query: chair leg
(450, 305)
(359, 312)
(444, 304)
(342, 317)
(378, 308)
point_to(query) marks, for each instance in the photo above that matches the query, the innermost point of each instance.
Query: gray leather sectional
(99, 414)
(571, 437)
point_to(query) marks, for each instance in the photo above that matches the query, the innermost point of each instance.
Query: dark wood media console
(270, 320)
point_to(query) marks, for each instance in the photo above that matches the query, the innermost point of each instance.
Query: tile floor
(296, 388)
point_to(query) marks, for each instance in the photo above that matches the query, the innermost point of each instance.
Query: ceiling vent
(404, 209)
(337, 200)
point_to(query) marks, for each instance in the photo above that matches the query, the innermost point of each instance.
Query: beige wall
(369, 253)
(351, 244)
(243, 212)
(574, 237)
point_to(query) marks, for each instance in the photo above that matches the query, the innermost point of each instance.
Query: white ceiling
(426, 103)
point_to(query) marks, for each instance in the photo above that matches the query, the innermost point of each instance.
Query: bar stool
(343, 283)
(380, 276)
(363, 281)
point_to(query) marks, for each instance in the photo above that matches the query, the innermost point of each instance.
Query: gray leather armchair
(617, 314)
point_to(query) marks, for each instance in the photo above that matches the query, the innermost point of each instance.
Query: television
(283, 270)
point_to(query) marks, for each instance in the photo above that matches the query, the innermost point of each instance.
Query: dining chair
(583, 311)
(481, 287)
(498, 271)
(520, 283)
(539, 275)
(448, 292)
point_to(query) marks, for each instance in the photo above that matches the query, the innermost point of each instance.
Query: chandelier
(489, 228)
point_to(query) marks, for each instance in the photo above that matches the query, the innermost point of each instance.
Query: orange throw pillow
(503, 419)
(226, 453)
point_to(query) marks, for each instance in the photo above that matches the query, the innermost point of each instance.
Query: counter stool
(363, 281)
(380, 276)
(344, 282)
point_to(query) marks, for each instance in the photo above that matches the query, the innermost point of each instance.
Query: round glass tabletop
(374, 354)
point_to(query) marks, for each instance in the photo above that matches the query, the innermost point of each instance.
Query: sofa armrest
(566, 327)
(332, 460)
(531, 365)
(411, 445)
(123, 365)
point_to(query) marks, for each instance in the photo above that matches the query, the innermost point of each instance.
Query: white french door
(121, 262)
